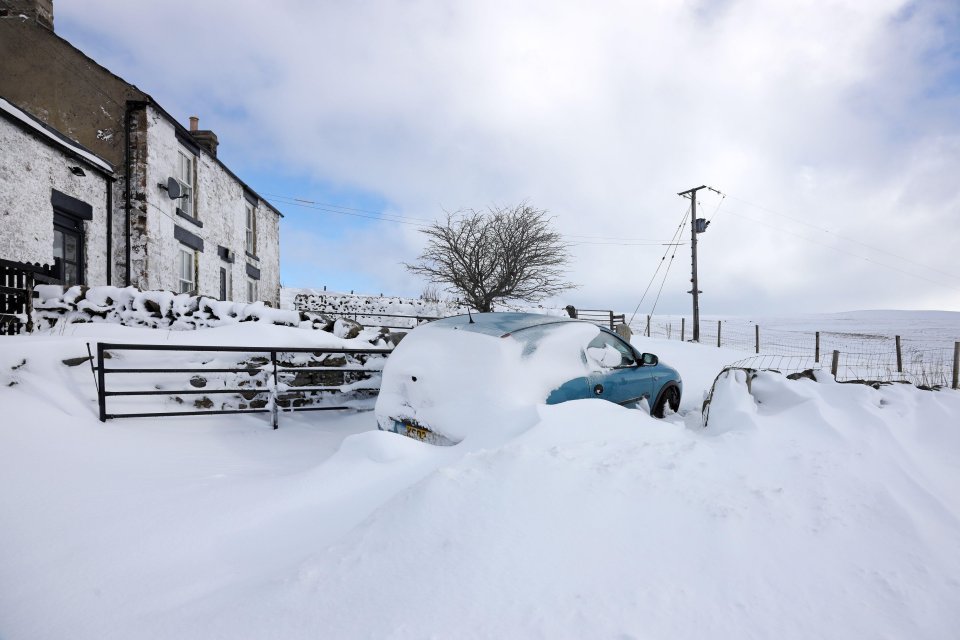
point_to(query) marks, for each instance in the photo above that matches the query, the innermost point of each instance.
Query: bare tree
(494, 256)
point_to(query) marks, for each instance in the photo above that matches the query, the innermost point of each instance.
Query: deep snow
(806, 509)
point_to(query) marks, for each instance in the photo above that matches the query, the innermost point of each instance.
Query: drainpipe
(132, 105)
(109, 182)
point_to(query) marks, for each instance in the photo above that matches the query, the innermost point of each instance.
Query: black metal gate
(279, 378)
(16, 292)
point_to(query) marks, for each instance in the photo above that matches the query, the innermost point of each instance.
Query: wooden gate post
(835, 364)
(899, 356)
(718, 333)
(816, 349)
(757, 331)
(683, 328)
(29, 284)
(956, 363)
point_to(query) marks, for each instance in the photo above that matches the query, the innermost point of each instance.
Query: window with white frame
(252, 291)
(186, 167)
(186, 260)
(251, 217)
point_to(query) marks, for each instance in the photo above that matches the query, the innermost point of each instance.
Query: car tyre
(669, 396)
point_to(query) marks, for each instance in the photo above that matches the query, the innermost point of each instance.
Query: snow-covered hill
(806, 509)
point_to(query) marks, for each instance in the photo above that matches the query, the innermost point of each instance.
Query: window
(251, 230)
(607, 341)
(252, 293)
(184, 175)
(68, 248)
(226, 283)
(185, 267)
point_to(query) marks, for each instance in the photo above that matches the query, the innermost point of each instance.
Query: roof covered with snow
(53, 136)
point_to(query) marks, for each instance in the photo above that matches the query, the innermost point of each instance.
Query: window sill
(187, 216)
(250, 255)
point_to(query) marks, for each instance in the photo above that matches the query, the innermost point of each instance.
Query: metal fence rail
(603, 317)
(280, 394)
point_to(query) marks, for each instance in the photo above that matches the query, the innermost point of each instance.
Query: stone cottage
(55, 204)
(175, 217)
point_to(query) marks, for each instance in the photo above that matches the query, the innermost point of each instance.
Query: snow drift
(807, 509)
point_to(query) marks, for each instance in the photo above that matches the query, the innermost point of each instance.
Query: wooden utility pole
(696, 226)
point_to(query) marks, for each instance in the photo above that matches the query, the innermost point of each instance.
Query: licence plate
(417, 432)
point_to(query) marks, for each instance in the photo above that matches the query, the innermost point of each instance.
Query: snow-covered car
(474, 373)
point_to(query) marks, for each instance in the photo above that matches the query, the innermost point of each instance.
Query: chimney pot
(194, 123)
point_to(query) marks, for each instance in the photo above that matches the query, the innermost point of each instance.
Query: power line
(676, 235)
(665, 274)
(844, 238)
(723, 197)
(297, 199)
(630, 244)
(413, 221)
(382, 217)
(839, 250)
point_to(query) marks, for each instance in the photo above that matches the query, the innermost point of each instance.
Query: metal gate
(272, 379)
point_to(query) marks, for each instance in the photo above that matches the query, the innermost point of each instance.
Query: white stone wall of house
(30, 168)
(268, 250)
(161, 247)
(219, 205)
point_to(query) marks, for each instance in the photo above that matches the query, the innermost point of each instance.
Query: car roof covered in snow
(499, 324)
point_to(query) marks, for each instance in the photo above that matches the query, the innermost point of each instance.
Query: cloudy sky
(833, 128)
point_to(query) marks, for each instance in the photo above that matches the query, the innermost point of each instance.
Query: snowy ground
(806, 509)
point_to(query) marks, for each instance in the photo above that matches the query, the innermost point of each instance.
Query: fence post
(835, 364)
(899, 356)
(956, 363)
(757, 331)
(29, 285)
(683, 327)
(648, 325)
(101, 391)
(718, 333)
(274, 414)
(816, 349)
(611, 319)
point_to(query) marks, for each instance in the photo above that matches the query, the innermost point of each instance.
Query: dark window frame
(70, 224)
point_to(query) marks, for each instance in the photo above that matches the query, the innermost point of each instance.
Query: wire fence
(849, 355)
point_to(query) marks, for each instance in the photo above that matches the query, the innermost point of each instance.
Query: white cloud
(841, 114)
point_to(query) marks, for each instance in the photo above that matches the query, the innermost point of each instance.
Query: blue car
(458, 375)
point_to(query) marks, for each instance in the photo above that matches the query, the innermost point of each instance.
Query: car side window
(605, 340)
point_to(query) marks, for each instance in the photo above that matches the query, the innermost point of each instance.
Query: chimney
(39, 10)
(204, 137)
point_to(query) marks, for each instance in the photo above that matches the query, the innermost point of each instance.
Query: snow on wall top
(54, 136)
(305, 299)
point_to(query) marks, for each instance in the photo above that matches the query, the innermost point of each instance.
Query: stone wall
(131, 307)
(30, 170)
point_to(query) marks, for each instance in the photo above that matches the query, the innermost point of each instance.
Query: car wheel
(669, 396)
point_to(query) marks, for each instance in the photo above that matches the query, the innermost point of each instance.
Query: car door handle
(598, 390)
